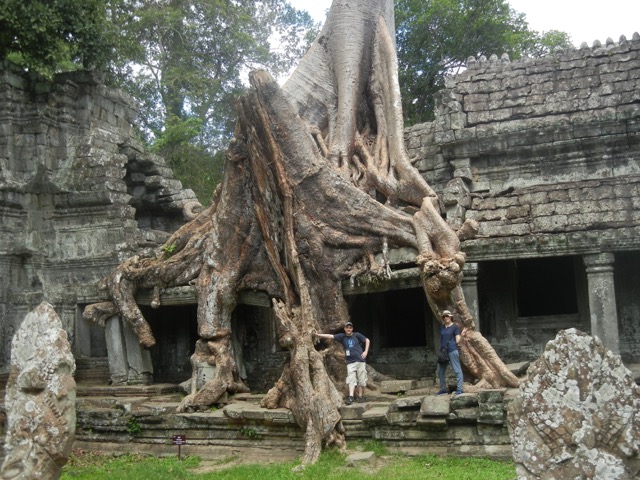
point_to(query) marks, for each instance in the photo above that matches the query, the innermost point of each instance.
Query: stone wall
(415, 421)
(545, 154)
(78, 194)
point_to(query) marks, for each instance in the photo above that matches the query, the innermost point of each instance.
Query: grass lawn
(386, 466)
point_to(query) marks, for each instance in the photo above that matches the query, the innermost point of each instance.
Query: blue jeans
(454, 359)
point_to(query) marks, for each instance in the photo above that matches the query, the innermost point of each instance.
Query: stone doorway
(176, 332)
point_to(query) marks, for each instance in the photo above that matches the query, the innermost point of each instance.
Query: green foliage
(250, 433)
(193, 55)
(330, 466)
(186, 59)
(544, 44)
(46, 37)
(436, 37)
(168, 250)
(197, 167)
(133, 427)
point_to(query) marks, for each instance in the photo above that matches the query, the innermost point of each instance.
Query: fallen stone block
(436, 424)
(236, 410)
(491, 396)
(360, 457)
(396, 386)
(352, 412)
(405, 403)
(435, 406)
(375, 416)
(404, 417)
(466, 400)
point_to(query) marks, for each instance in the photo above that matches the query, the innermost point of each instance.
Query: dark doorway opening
(176, 332)
(395, 318)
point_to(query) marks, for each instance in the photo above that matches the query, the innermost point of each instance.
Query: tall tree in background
(436, 37)
(190, 57)
(183, 60)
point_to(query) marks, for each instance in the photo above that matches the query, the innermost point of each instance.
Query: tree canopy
(48, 37)
(186, 61)
(436, 37)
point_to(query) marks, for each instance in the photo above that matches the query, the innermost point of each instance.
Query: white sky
(583, 20)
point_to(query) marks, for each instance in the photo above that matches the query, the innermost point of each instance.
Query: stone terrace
(404, 415)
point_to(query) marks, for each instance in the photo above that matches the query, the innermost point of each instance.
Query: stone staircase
(409, 420)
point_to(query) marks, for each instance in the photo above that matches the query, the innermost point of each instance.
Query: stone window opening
(546, 287)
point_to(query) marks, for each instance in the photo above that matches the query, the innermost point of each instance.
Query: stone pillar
(128, 361)
(602, 299)
(116, 351)
(470, 291)
(138, 358)
(82, 335)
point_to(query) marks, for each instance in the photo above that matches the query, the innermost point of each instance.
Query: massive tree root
(316, 182)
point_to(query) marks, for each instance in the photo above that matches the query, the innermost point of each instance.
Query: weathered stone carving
(40, 399)
(577, 415)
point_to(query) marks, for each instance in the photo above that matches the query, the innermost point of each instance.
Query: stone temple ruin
(543, 153)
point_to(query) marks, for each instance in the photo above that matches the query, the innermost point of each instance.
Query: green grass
(330, 466)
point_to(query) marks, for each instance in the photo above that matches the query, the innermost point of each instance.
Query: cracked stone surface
(577, 415)
(40, 399)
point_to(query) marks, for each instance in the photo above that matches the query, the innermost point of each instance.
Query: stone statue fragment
(577, 415)
(40, 399)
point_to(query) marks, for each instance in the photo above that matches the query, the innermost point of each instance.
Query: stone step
(126, 390)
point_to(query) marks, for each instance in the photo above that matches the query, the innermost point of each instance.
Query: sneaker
(349, 400)
(458, 392)
(442, 392)
(360, 399)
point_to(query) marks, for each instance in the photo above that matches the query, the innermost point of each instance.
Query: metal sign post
(179, 440)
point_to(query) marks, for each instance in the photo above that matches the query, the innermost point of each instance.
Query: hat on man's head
(447, 313)
(348, 324)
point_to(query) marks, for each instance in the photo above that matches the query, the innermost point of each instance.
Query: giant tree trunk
(317, 181)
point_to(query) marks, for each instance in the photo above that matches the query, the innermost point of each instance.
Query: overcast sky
(584, 20)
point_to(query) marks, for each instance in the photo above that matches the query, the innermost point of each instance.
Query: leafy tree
(545, 43)
(435, 38)
(187, 61)
(184, 60)
(56, 35)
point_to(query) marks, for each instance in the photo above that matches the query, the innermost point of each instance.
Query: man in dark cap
(356, 349)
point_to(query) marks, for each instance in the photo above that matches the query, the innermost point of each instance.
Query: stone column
(138, 358)
(116, 351)
(602, 299)
(129, 363)
(470, 291)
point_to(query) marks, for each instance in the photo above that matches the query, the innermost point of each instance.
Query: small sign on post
(179, 440)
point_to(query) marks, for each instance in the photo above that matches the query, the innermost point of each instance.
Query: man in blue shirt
(356, 349)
